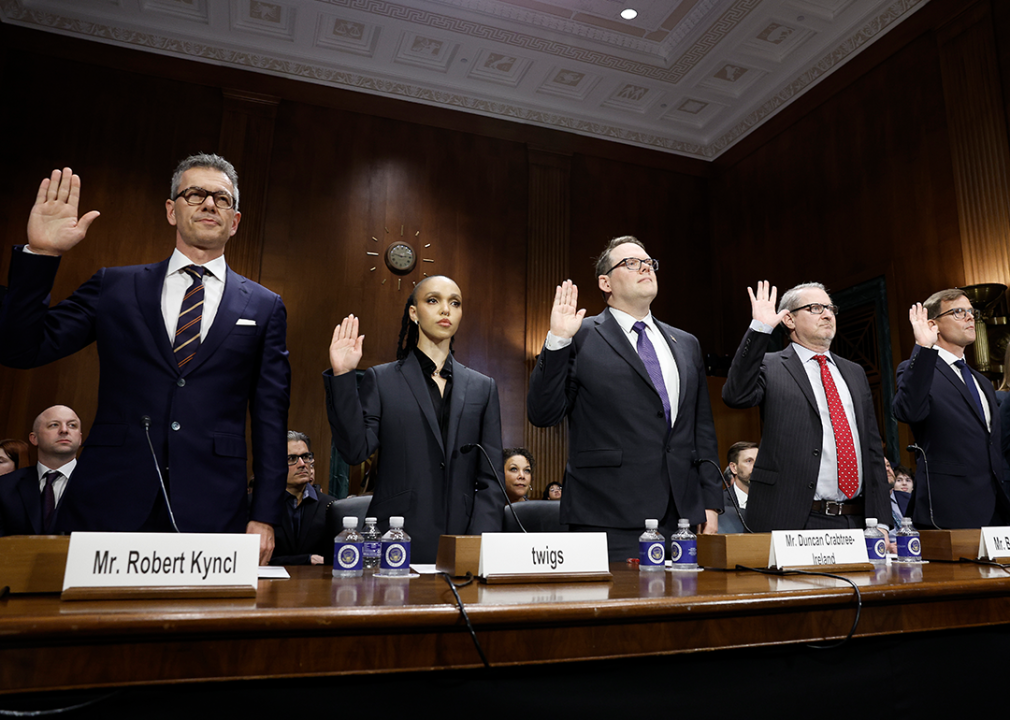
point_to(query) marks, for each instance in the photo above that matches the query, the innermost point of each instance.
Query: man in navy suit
(953, 414)
(636, 398)
(30, 496)
(187, 348)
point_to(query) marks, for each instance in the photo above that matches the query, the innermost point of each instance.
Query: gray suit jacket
(785, 473)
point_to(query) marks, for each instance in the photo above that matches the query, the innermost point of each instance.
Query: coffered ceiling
(690, 77)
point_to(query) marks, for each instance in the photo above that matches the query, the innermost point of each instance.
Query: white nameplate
(121, 560)
(994, 542)
(793, 548)
(542, 553)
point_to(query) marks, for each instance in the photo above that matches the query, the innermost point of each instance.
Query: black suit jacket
(729, 522)
(784, 480)
(21, 502)
(429, 482)
(625, 462)
(963, 456)
(315, 533)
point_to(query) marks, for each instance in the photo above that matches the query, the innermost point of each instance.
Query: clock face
(400, 257)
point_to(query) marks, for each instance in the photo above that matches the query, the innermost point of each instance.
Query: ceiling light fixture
(629, 14)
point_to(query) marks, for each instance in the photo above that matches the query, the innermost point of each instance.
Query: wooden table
(321, 627)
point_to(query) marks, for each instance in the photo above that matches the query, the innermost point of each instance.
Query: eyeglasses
(958, 313)
(817, 309)
(635, 264)
(197, 196)
(307, 458)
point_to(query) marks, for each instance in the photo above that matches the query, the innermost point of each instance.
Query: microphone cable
(145, 420)
(462, 610)
(501, 486)
(729, 490)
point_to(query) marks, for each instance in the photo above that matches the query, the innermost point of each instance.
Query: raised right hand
(762, 305)
(345, 348)
(925, 334)
(53, 226)
(566, 319)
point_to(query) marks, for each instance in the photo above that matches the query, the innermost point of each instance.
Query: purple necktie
(49, 501)
(648, 354)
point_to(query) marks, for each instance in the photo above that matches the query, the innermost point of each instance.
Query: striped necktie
(187, 334)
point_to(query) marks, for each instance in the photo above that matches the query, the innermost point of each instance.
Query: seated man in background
(902, 487)
(305, 535)
(30, 497)
(741, 457)
(519, 465)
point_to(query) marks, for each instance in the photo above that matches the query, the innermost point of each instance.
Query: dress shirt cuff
(556, 343)
(758, 326)
(29, 250)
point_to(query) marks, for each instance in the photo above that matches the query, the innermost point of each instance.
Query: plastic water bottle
(909, 547)
(684, 547)
(373, 543)
(651, 548)
(395, 558)
(348, 547)
(876, 548)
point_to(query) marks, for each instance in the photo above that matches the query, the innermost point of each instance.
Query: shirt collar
(64, 470)
(627, 321)
(946, 355)
(805, 354)
(217, 267)
(428, 365)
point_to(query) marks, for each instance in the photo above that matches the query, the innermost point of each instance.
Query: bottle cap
(396, 521)
(370, 520)
(651, 524)
(683, 523)
(350, 522)
(871, 522)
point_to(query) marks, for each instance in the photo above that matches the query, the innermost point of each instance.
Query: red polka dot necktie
(187, 335)
(848, 470)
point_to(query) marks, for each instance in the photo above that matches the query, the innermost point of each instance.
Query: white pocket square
(245, 321)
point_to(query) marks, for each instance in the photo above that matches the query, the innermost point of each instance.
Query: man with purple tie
(30, 497)
(188, 349)
(636, 398)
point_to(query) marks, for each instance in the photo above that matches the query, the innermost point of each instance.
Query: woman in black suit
(418, 412)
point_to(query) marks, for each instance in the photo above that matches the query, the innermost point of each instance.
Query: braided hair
(409, 331)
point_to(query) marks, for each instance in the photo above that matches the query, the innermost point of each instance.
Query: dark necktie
(187, 333)
(49, 501)
(647, 352)
(848, 470)
(972, 389)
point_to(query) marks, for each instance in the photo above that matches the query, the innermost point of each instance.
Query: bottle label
(373, 548)
(347, 556)
(395, 555)
(651, 552)
(909, 547)
(876, 548)
(684, 552)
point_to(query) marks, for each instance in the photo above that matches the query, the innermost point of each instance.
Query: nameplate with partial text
(804, 548)
(994, 542)
(543, 554)
(100, 560)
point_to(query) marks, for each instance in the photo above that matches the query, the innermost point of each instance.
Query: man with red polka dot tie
(821, 463)
(953, 413)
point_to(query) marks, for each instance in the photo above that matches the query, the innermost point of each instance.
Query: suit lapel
(611, 331)
(460, 382)
(148, 284)
(849, 375)
(953, 377)
(792, 363)
(680, 357)
(411, 371)
(28, 488)
(233, 303)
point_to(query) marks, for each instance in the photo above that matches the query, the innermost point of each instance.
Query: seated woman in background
(519, 466)
(420, 412)
(13, 453)
(552, 491)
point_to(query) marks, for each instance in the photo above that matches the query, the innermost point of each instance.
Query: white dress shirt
(60, 483)
(178, 282)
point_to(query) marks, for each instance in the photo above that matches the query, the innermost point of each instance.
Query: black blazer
(431, 484)
(315, 534)
(784, 480)
(21, 502)
(964, 458)
(625, 462)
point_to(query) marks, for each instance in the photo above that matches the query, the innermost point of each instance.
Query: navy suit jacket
(21, 502)
(784, 480)
(198, 413)
(625, 462)
(431, 484)
(963, 457)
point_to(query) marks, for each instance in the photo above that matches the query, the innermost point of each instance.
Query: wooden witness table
(313, 625)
